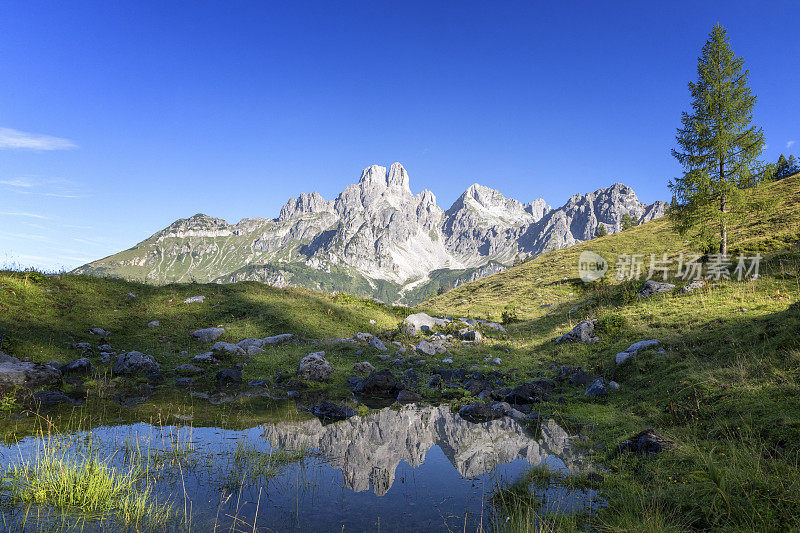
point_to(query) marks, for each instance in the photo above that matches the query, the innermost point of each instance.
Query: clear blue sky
(117, 118)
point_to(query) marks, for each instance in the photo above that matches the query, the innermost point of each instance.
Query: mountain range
(376, 238)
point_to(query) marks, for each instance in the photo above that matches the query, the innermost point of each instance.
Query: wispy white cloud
(15, 139)
(789, 144)
(49, 188)
(21, 214)
(17, 182)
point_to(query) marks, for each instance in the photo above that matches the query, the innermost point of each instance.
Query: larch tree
(718, 146)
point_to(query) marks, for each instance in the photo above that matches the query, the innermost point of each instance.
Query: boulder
(407, 396)
(44, 398)
(208, 334)
(422, 322)
(194, 299)
(83, 347)
(583, 332)
(263, 383)
(426, 347)
(188, 370)
(363, 368)
(633, 349)
(4, 358)
(330, 411)
(277, 339)
(435, 381)
(153, 323)
(78, 366)
(205, 357)
(252, 346)
(314, 367)
(130, 295)
(482, 412)
(135, 363)
(470, 335)
(380, 383)
(229, 376)
(696, 284)
(185, 383)
(105, 348)
(100, 332)
(525, 393)
(648, 442)
(227, 347)
(363, 337)
(376, 343)
(651, 287)
(597, 388)
(31, 375)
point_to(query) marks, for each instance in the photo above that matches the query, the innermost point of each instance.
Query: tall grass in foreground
(83, 485)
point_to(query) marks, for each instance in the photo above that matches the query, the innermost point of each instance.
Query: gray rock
(363, 337)
(100, 332)
(407, 396)
(597, 388)
(330, 411)
(447, 361)
(314, 367)
(130, 295)
(426, 347)
(83, 347)
(4, 358)
(479, 412)
(135, 363)
(525, 393)
(633, 349)
(470, 335)
(31, 375)
(419, 322)
(651, 287)
(206, 357)
(188, 370)
(185, 383)
(613, 385)
(696, 284)
(376, 343)
(78, 366)
(208, 334)
(380, 383)
(277, 339)
(105, 348)
(105, 357)
(153, 323)
(583, 332)
(363, 368)
(227, 347)
(496, 361)
(194, 299)
(45, 398)
(648, 442)
(229, 376)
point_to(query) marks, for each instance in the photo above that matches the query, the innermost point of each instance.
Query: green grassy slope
(726, 387)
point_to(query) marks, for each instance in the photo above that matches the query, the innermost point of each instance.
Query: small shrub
(610, 324)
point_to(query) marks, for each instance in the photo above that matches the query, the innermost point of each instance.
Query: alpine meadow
(375, 356)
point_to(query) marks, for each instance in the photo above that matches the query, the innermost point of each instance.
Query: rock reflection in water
(368, 449)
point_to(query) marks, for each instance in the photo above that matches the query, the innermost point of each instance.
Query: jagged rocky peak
(199, 225)
(538, 209)
(377, 177)
(491, 206)
(305, 204)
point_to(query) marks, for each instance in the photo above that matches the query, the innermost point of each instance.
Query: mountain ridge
(376, 238)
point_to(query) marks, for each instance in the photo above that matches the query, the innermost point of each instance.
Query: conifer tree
(718, 146)
(601, 231)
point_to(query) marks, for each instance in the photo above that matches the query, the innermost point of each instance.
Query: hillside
(375, 239)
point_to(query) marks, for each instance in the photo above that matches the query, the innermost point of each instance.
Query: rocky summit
(375, 239)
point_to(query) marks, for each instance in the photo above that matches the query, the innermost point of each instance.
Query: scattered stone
(495, 326)
(496, 361)
(376, 343)
(583, 332)
(479, 412)
(22, 374)
(597, 388)
(651, 287)
(633, 349)
(105, 348)
(100, 332)
(205, 357)
(363, 337)
(435, 381)
(194, 299)
(263, 383)
(380, 383)
(363, 368)
(130, 295)
(613, 385)
(135, 363)
(426, 347)
(330, 411)
(422, 322)
(208, 334)
(188, 370)
(105, 357)
(384, 356)
(447, 361)
(78, 366)
(4, 358)
(185, 383)
(696, 284)
(525, 393)
(154, 324)
(277, 339)
(582, 378)
(470, 335)
(45, 398)
(407, 396)
(227, 347)
(648, 442)
(229, 376)
(314, 367)
(83, 347)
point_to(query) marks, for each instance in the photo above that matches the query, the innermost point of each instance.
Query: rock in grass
(83, 347)
(227, 347)
(380, 383)
(44, 398)
(23, 374)
(188, 370)
(229, 376)
(483, 412)
(635, 348)
(4, 358)
(428, 348)
(597, 388)
(470, 335)
(130, 295)
(525, 393)
(648, 442)
(205, 357)
(135, 363)
(78, 366)
(376, 343)
(327, 410)
(314, 367)
(583, 332)
(407, 396)
(207, 334)
(422, 322)
(696, 284)
(153, 323)
(363, 337)
(194, 300)
(363, 367)
(100, 332)
(185, 383)
(651, 287)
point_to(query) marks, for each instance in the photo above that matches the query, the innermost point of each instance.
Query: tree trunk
(723, 232)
